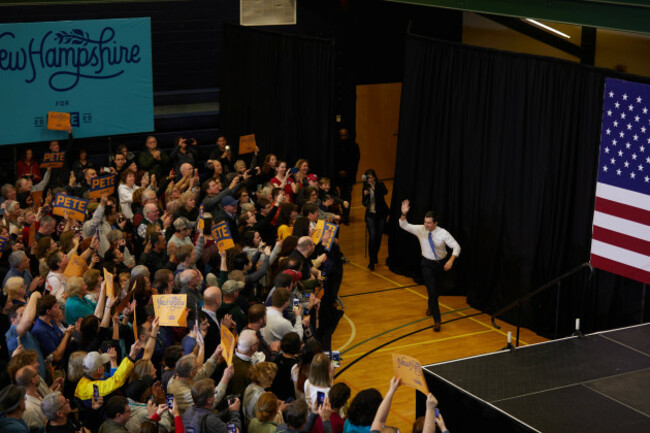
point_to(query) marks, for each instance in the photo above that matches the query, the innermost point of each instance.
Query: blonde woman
(320, 378)
(16, 291)
(93, 280)
(268, 414)
(261, 375)
(77, 305)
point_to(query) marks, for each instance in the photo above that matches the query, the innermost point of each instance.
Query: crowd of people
(77, 357)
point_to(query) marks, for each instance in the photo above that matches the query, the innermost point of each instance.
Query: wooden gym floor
(381, 306)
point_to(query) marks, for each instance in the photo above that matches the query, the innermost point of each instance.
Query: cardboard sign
(76, 267)
(247, 144)
(37, 198)
(410, 371)
(102, 185)
(227, 344)
(53, 160)
(110, 282)
(58, 121)
(318, 232)
(32, 234)
(3, 243)
(222, 235)
(73, 207)
(200, 225)
(332, 229)
(171, 309)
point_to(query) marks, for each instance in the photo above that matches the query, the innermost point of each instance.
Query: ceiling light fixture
(544, 26)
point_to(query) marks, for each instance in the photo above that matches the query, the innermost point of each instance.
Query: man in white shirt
(276, 325)
(435, 261)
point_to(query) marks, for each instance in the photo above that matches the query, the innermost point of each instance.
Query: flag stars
(626, 164)
(647, 160)
(638, 99)
(643, 129)
(640, 167)
(614, 142)
(620, 153)
(605, 168)
(634, 156)
(637, 118)
(629, 126)
(636, 137)
(631, 107)
(633, 175)
(647, 179)
(625, 96)
(628, 145)
(615, 123)
(609, 113)
(607, 150)
(611, 94)
(618, 171)
(622, 115)
(617, 105)
(642, 148)
(645, 110)
(608, 131)
(621, 134)
(613, 161)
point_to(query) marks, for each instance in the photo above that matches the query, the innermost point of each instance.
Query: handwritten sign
(73, 207)
(410, 371)
(3, 243)
(76, 267)
(221, 233)
(101, 185)
(58, 121)
(201, 222)
(37, 198)
(227, 344)
(247, 144)
(110, 283)
(53, 160)
(171, 309)
(318, 231)
(332, 229)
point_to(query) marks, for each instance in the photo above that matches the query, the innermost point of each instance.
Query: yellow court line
(437, 340)
(471, 318)
(379, 275)
(353, 333)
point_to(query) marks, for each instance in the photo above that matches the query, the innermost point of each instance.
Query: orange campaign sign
(171, 309)
(37, 198)
(409, 370)
(201, 222)
(76, 267)
(32, 234)
(58, 121)
(110, 281)
(3, 243)
(247, 144)
(227, 344)
(102, 185)
(222, 235)
(53, 160)
(67, 205)
(318, 232)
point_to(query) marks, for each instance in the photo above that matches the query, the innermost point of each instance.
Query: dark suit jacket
(213, 337)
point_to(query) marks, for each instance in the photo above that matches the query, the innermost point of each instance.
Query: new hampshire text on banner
(171, 309)
(221, 234)
(621, 225)
(410, 371)
(92, 75)
(102, 185)
(73, 207)
(53, 160)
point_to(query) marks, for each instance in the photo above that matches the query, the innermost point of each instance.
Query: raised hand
(406, 206)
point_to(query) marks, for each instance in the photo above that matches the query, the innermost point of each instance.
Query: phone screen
(437, 412)
(296, 302)
(169, 399)
(95, 393)
(232, 428)
(320, 398)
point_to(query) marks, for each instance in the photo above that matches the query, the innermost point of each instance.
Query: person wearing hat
(228, 213)
(183, 229)
(12, 407)
(230, 291)
(94, 363)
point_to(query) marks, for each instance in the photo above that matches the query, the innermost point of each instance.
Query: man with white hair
(19, 267)
(242, 360)
(190, 280)
(56, 409)
(151, 215)
(148, 197)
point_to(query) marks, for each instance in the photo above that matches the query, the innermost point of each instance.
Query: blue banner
(99, 71)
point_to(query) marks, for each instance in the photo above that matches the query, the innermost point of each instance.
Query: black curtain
(280, 88)
(504, 147)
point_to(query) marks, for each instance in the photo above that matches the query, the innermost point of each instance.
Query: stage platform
(596, 383)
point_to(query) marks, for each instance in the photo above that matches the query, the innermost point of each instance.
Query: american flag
(621, 227)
